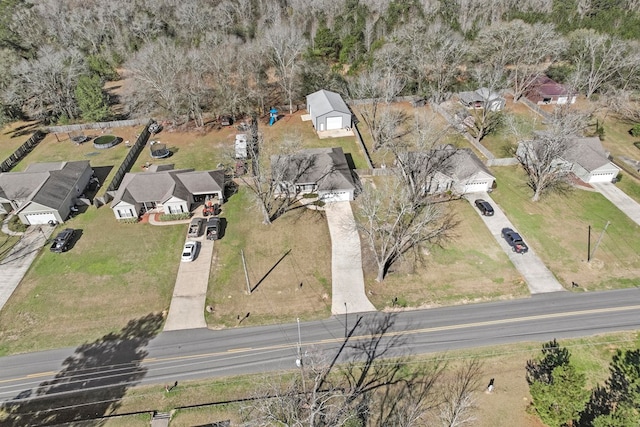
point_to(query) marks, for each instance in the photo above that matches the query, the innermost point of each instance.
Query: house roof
(459, 164)
(162, 184)
(547, 87)
(587, 152)
(480, 95)
(47, 184)
(324, 101)
(329, 169)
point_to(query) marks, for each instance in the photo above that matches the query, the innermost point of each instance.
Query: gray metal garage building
(328, 111)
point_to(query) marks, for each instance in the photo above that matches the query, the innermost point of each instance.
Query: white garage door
(336, 196)
(42, 218)
(334, 123)
(476, 186)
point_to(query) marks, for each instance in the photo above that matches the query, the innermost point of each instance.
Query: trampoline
(159, 150)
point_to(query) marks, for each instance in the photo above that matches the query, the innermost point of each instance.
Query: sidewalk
(347, 279)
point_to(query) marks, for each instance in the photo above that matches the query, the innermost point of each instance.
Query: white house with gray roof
(482, 98)
(324, 171)
(174, 191)
(44, 192)
(328, 111)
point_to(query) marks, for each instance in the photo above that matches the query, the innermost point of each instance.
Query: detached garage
(328, 111)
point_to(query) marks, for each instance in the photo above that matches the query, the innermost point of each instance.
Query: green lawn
(470, 268)
(113, 273)
(557, 228)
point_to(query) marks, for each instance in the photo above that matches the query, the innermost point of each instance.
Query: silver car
(189, 251)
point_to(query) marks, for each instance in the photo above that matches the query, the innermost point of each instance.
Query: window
(125, 213)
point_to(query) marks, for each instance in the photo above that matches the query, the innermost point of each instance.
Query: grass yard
(113, 273)
(470, 268)
(557, 228)
(14, 135)
(298, 286)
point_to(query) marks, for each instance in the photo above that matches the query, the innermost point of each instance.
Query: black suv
(515, 241)
(485, 207)
(62, 240)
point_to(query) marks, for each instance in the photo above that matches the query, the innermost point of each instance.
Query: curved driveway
(347, 279)
(535, 273)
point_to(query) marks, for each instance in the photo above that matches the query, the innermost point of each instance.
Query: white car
(189, 251)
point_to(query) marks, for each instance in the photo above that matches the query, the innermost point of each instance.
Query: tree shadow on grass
(91, 382)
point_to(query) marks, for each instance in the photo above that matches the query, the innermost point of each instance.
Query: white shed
(328, 111)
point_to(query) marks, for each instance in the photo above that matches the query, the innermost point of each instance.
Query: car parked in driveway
(514, 240)
(484, 207)
(62, 240)
(189, 251)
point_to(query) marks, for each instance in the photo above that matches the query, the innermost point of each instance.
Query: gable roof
(329, 169)
(163, 184)
(47, 184)
(587, 152)
(459, 164)
(546, 86)
(325, 101)
(483, 94)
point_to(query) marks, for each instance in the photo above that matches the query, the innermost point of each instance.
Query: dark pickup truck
(213, 228)
(61, 242)
(515, 241)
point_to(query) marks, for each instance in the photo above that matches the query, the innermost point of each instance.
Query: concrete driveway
(190, 292)
(535, 273)
(626, 204)
(16, 263)
(347, 279)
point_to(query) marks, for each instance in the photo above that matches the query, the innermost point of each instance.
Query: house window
(125, 213)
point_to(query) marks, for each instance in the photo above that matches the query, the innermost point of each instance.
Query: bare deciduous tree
(542, 157)
(598, 58)
(285, 44)
(392, 223)
(458, 395)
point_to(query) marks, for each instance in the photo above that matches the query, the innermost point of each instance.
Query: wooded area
(191, 60)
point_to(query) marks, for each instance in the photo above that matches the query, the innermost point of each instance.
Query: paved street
(535, 273)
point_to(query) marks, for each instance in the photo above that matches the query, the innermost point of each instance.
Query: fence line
(506, 161)
(362, 146)
(22, 151)
(96, 125)
(131, 157)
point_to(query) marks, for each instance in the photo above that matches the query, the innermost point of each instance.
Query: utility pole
(589, 245)
(299, 362)
(346, 320)
(600, 238)
(246, 273)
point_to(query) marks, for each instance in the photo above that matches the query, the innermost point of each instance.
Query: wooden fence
(22, 151)
(96, 125)
(131, 157)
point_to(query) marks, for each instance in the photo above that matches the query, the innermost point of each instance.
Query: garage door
(475, 187)
(336, 196)
(334, 123)
(42, 218)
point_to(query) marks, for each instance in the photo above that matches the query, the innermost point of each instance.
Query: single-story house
(482, 98)
(324, 171)
(328, 111)
(457, 170)
(585, 158)
(44, 192)
(173, 190)
(543, 90)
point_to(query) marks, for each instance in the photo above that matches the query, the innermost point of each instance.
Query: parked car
(485, 207)
(189, 251)
(213, 228)
(515, 241)
(62, 240)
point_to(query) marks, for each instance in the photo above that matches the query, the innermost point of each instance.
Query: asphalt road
(202, 353)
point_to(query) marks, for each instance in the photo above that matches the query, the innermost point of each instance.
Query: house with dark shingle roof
(162, 187)
(324, 171)
(44, 192)
(328, 111)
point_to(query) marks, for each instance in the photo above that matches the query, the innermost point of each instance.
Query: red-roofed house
(546, 91)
